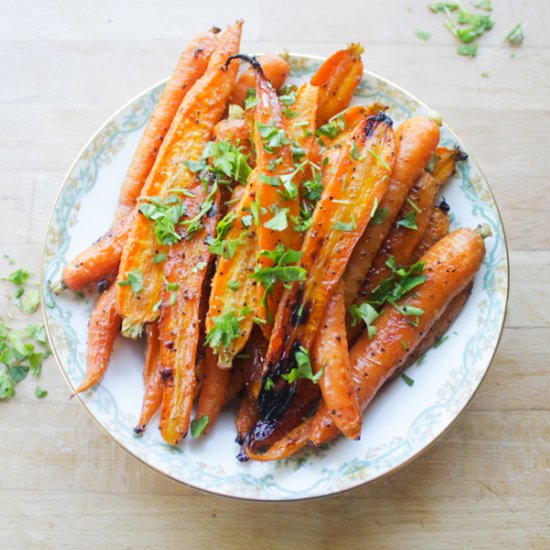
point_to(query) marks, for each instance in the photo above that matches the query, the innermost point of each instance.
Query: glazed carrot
(103, 256)
(359, 181)
(192, 128)
(256, 349)
(276, 70)
(330, 353)
(437, 229)
(236, 383)
(247, 416)
(415, 141)
(233, 294)
(103, 329)
(337, 79)
(402, 240)
(179, 325)
(214, 390)
(445, 160)
(151, 351)
(449, 267)
(440, 327)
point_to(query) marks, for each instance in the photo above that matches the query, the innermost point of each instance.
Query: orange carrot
(192, 128)
(103, 257)
(449, 266)
(438, 228)
(214, 390)
(415, 141)
(330, 353)
(276, 70)
(247, 416)
(337, 79)
(359, 182)
(236, 131)
(103, 329)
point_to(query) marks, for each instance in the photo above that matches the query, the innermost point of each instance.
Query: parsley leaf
(332, 128)
(288, 95)
(279, 222)
(134, 278)
(272, 136)
(226, 328)
(469, 50)
(423, 35)
(407, 379)
(198, 425)
(366, 313)
(165, 215)
(29, 300)
(345, 226)
(438, 7)
(409, 221)
(40, 393)
(516, 35)
(354, 150)
(251, 100)
(159, 258)
(380, 216)
(18, 277)
(303, 368)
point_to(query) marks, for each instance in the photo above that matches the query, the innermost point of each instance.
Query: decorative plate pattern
(400, 423)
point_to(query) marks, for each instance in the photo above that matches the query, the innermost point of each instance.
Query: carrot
(402, 240)
(330, 353)
(445, 160)
(276, 70)
(233, 295)
(214, 390)
(359, 181)
(256, 349)
(416, 140)
(179, 326)
(449, 267)
(192, 127)
(152, 379)
(440, 327)
(236, 383)
(337, 79)
(103, 329)
(437, 229)
(247, 416)
(103, 257)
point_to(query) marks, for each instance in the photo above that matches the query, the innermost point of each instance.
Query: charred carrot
(103, 257)
(103, 329)
(276, 70)
(247, 416)
(192, 128)
(416, 140)
(359, 181)
(437, 229)
(330, 356)
(337, 79)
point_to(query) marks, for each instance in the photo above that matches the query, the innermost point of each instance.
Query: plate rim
(391, 471)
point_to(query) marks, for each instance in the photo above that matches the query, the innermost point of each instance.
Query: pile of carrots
(276, 246)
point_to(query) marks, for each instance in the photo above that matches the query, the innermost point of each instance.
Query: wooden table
(66, 66)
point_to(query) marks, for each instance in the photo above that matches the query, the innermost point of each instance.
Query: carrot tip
(131, 330)
(139, 429)
(57, 287)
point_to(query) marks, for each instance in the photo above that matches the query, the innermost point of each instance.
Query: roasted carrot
(449, 266)
(416, 140)
(440, 327)
(179, 325)
(233, 295)
(152, 379)
(192, 128)
(247, 416)
(330, 353)
(276, 70)
(337, 79)
(103, 257)
(236, 383)
(402, 240)
(215, 385)
(103, 329)
(359, 181)
(437, 229)
(444, 162)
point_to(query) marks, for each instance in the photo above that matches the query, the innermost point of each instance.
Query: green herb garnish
(198, 425)
(303, 368)
(516, 35)
(134, 278)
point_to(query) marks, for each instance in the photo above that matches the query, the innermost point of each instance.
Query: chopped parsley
(332, 128)
(272, 136)
(423, 35)
(251, 100)
(441, 340)
(40, 393)
(134, 279)
(159, 258)
(469, 50)
(407, 379)
(279, 222)
(165, 216)
(516, 35)
(364, 312)
(303, 369)
(287, 95)
(345, 226)
(227, 247)
(172, 288)
(354, 150)
(198, 425)
(438, 7)
(18, 277)
(233, 285)
(227, 328)
(409, 221)
(380, 216)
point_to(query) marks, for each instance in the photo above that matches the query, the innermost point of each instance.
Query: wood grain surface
(66, 66)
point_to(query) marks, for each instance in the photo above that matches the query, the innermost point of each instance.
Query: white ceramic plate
(400, 423)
